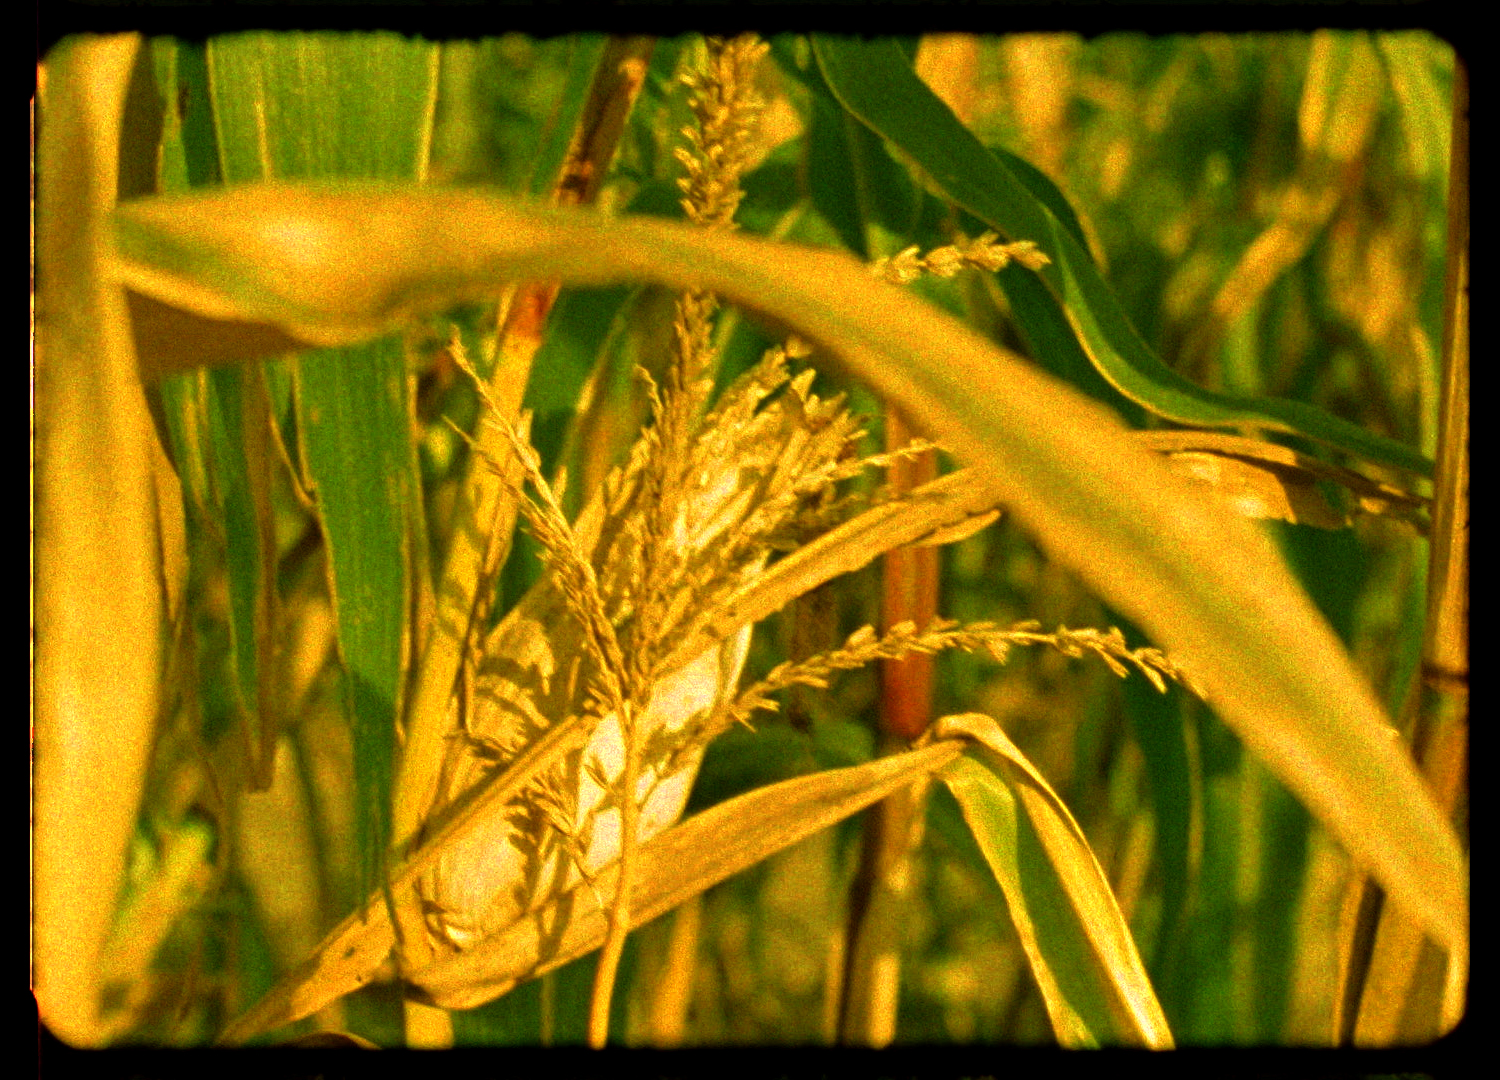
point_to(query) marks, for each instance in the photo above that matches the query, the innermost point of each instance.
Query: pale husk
(753, 470)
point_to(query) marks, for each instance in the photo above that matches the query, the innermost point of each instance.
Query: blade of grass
(1075, 938)
(876, 83)
(1206, 587)
(352, 437)
(831, 161)
(238, 433)
(1411, 62)
(1159, 728)
(321, 105)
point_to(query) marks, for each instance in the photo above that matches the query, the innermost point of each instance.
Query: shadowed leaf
(674, 866)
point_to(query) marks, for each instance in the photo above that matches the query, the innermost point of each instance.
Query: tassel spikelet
(578, 643)
(684, 523)
(985, 253)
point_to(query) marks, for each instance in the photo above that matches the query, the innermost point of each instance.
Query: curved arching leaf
(338, 265)
(1074, 935)
(877, 84)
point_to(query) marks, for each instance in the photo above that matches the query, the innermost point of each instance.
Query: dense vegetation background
(1270, 208)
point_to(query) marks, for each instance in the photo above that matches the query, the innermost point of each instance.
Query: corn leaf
(674, 866)
(98, 588)
(1266, 480)
(348, 957)
(876, 83)
(1412, 60)
(337, 105)
(229, 428)
(935, 513)
(1076, 941)
(238, 433)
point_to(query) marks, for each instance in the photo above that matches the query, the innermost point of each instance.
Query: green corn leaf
(233, 441)
(1043, 190)
(1414, 62)
(238, 432)
(1075, 939)
(1158, 727)
(876, 83)
(327, 106)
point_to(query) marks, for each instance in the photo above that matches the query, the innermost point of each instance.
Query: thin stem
(549, 1007)
(1396, 987)
(619, 911)
(881, 890)
(911, 580)
(867, 1013)
(672, 988)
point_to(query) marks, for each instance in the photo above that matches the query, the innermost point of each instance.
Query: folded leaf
(98, 588)
(1266, 480)
(1076, 941)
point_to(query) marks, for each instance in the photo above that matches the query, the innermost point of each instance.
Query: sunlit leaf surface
(1209, 589)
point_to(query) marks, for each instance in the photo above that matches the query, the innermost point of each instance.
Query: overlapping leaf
(704, 850)
(325, 106)
(876, 83)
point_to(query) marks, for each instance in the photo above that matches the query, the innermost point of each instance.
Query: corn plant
(401, 541)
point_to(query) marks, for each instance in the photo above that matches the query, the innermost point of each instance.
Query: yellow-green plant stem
(868, 990)
(892, 830)
(1397, 985)
(881, 891)
(98, 584)
(619, 910)
(671, 990)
